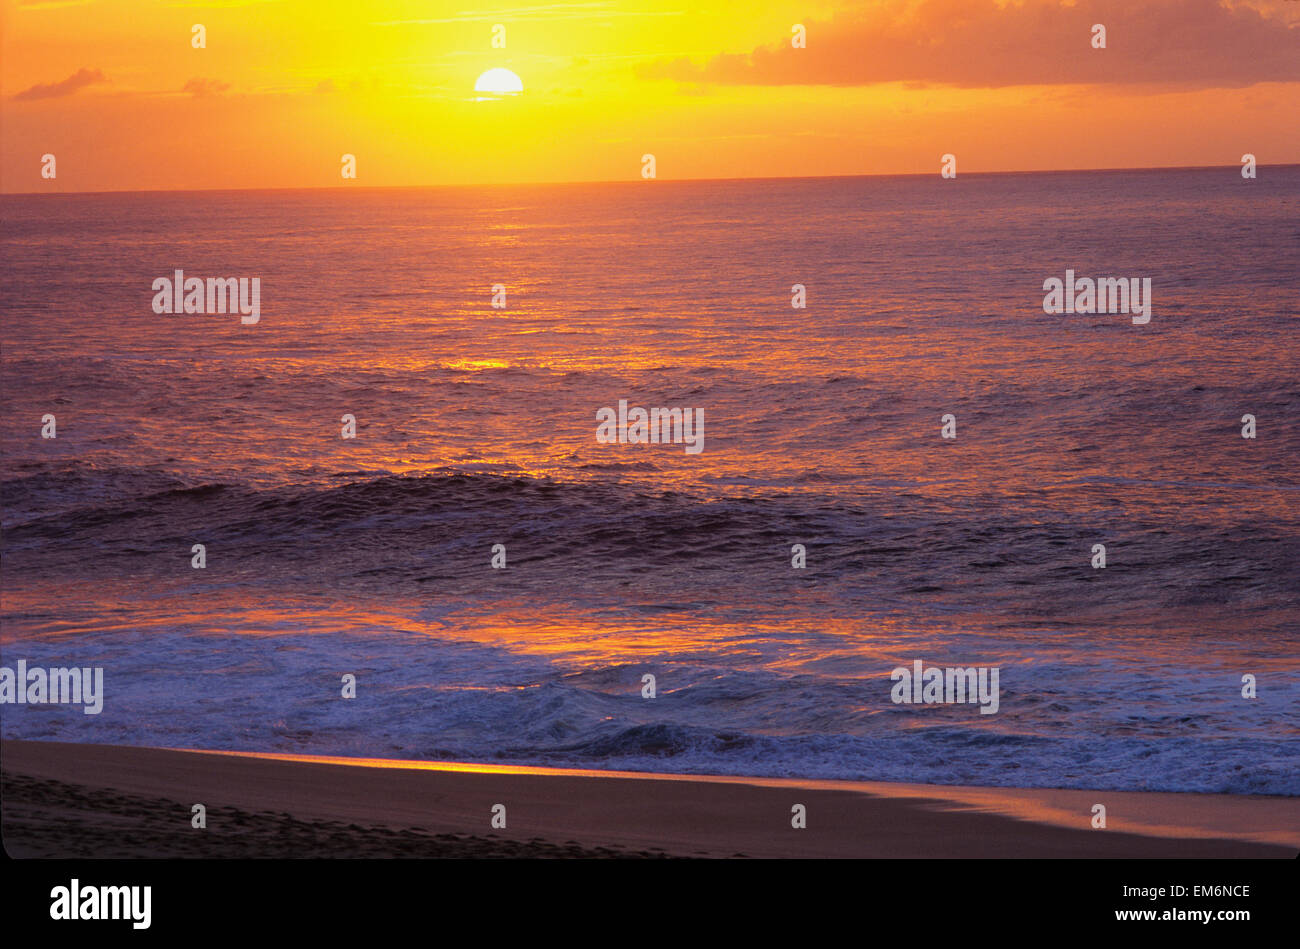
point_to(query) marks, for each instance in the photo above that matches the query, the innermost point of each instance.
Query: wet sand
(104, 801)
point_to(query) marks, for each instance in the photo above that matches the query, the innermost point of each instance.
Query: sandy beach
(101, 801)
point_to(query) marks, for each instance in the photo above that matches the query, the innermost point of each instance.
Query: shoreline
(87, 800)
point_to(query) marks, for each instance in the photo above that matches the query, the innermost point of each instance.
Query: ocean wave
(397, 534)
(423, 698)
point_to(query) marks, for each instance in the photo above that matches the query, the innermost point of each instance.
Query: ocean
(476, 426)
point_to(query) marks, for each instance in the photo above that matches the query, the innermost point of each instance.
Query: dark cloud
(984, 43)
(54, 90)
(206, 87)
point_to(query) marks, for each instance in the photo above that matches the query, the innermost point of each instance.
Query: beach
(67, 800)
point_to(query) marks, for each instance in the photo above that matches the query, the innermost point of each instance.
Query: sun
(499, 82)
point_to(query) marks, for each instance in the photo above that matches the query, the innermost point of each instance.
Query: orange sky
(115, 90)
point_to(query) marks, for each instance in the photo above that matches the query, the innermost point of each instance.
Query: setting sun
(499, 81)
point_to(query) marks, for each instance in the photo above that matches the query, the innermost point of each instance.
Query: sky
(282, 89)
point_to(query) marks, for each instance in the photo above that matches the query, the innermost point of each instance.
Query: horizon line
(604, 181)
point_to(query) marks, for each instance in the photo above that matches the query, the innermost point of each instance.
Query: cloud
(218, 3)
(206, 87)
(552, 11)
(991, 43)
(54, 90)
